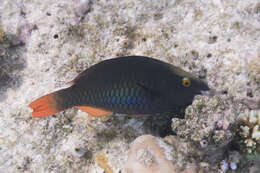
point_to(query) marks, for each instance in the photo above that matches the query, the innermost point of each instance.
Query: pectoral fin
(150, 92)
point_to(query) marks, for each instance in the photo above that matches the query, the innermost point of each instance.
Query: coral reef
(210, 122)
(208, 119)
(249, 131)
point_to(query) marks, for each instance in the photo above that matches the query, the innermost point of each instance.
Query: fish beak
(205, 92)
(209, 92)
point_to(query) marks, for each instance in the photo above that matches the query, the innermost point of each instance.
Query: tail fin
(49, 104)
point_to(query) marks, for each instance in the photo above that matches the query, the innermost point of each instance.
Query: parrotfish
(134, 85)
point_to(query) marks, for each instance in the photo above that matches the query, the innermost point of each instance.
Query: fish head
(185, 86)
(195, 86)
(188, 88)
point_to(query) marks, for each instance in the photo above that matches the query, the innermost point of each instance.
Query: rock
(82, 8)
(149, 154)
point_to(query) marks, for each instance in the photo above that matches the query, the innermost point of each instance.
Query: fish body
(131, 85)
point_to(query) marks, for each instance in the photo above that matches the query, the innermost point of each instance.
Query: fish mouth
(209, 92)
(205, 92)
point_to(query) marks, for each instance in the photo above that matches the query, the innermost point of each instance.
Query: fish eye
(186, 82)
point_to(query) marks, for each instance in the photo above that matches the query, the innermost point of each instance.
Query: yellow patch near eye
(186, 82)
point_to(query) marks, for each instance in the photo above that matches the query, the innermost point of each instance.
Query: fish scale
(117, 97)
(117, 92)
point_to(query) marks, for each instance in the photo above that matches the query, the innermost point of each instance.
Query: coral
(210, 123)
(249, 131)
(251, 103)
(224, 166)
(102, 161)
(230, 163)
(207, 119)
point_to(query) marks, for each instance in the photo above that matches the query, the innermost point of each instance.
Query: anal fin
(95, 112)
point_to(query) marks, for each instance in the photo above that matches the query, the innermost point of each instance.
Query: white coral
(253, 117)
(245, 131)
(233, 165)
(250, 143)
(224, 165)
(249, 129)
(242, 117)
(256, 133)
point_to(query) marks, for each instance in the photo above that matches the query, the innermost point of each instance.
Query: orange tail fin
(44, 106)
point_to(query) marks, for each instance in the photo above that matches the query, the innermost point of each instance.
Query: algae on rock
(208, 119)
